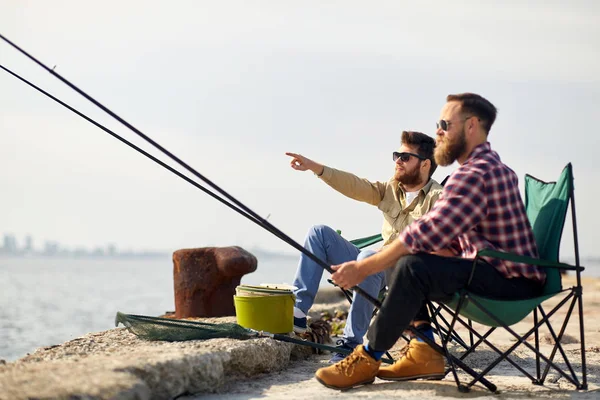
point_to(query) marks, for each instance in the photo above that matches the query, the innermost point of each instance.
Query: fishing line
(248, 212)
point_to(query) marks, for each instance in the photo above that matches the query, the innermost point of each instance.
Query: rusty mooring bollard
(205, 279)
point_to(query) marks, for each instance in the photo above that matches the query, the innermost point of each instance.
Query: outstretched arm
(344, 182)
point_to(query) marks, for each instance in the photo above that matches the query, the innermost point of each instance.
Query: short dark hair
(474, 104)
(425, 145)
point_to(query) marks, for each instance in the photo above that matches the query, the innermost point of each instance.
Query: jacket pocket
(390, 209)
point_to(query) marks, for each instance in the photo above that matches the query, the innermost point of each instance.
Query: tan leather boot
(420, 362)
(359, 368)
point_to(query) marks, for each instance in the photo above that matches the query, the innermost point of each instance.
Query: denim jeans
(331, 247)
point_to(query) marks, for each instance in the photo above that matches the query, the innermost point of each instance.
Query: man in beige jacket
(408, 195)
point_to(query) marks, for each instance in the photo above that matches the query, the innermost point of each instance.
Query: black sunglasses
(404, 157)
(444, 124)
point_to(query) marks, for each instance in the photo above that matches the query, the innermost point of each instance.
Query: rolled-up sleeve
(459, 209)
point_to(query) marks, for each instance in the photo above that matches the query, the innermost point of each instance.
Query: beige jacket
(389, 197)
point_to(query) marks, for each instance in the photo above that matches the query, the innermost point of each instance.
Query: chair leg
(579, 295)
(471, 332)
(578, 289)
(537, 347)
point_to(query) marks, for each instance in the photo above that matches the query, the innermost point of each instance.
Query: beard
(448, 150)
(412, 177)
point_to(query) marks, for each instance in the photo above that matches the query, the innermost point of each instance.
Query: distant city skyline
(52, 248)
(10, 246)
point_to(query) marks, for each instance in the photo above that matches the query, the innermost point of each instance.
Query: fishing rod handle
(367, 296)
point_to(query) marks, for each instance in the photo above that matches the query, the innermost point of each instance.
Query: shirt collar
(424, 189)
(479, 150)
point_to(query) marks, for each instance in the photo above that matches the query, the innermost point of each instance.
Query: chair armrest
(527, 260)
(367, 241)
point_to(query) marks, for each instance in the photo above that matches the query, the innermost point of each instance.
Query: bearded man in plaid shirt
(480, 207)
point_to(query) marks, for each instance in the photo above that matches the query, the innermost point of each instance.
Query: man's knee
(365, 254)
(321, 231)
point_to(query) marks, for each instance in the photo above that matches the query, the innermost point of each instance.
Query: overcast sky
(229, 86)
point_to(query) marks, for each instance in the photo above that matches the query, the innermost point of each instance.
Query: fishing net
(174, 330)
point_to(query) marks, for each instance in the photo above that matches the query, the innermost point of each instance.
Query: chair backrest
(546, 204)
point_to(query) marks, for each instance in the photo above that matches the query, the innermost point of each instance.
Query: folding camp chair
(546, 205)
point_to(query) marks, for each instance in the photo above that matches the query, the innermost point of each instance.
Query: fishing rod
(248, 212)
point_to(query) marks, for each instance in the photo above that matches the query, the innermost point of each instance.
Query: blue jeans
(331, 247)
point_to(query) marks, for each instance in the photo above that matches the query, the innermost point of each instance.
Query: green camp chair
(546, 205)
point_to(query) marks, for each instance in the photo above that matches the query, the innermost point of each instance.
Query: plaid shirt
(479, 208)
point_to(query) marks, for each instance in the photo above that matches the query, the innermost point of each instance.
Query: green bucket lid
(263, 290)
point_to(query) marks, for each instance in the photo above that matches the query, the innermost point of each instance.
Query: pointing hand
(301, 163)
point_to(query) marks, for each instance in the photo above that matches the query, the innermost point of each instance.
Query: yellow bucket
(272, 313)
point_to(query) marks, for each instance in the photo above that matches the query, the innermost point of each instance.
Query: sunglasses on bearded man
(444, 124)
(405, 157)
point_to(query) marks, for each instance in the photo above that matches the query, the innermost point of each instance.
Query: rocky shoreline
(116, 364)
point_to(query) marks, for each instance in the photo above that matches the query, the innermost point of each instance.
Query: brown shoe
(421, 361)
(359, 368)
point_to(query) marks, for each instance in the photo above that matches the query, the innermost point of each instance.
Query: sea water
(47, 301)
